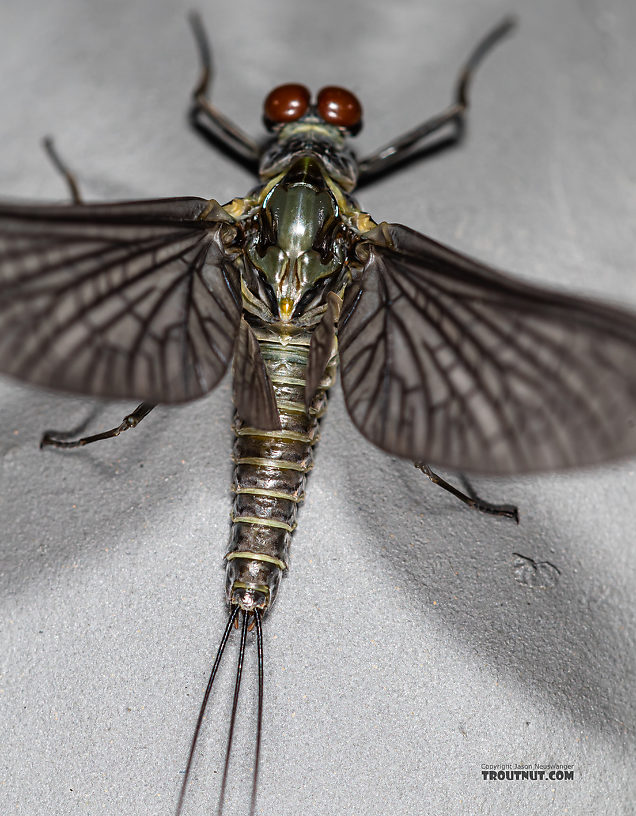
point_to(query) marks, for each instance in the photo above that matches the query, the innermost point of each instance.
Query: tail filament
(232, 620)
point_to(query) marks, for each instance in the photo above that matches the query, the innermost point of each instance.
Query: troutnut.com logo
(536, 771)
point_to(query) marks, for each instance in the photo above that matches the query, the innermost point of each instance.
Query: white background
(402, 654)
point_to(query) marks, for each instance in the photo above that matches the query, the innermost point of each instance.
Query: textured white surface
(402, 654)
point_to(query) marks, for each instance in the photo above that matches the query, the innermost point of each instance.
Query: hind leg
(470, 498)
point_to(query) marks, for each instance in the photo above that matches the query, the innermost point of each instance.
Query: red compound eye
(338, 106)
(286, 103)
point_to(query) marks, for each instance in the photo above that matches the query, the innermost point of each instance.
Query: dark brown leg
(61, 167)
(130, 421)
(205, 117)
(412, 143)
(470, 498)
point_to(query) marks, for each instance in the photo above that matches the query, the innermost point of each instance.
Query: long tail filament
(237, 685)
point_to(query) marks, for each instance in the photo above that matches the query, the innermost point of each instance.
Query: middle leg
(129, 421)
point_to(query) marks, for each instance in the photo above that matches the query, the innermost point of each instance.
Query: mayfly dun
(443, 360)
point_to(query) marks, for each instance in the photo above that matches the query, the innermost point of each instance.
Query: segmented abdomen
(270, 473)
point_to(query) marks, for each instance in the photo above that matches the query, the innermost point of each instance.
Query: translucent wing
(137, 300)
(253, 390)
(321, 347)
(447, 361)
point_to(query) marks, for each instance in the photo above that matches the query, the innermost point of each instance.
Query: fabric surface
(413, 640)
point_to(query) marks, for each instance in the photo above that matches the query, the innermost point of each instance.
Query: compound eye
(339, 107)
(286, 103)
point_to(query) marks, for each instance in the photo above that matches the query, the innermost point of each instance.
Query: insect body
(294, 256)
(443, 360)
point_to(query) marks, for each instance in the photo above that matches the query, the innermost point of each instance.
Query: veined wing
(321, 347)
(447, 361)
(136, 300)
(253, 391)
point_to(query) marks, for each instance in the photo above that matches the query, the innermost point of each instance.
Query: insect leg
(470, 497)
(411, 144)
(61, 167)
(129, 421)
(215, 125)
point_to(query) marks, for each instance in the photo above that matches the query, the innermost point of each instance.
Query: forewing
(321, 347)
(137, 300)
(254, 396)
(450, 362)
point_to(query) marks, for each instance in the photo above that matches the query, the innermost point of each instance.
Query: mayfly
(443, 360)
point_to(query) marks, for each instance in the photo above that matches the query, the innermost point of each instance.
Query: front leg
(214, 124)
(408, 145)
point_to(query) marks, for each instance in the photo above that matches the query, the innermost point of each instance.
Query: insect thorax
(296, 246)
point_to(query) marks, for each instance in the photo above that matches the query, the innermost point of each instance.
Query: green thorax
(299, 247)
